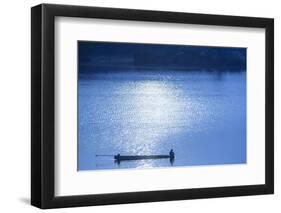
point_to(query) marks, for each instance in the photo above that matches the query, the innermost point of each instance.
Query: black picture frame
(43, 102)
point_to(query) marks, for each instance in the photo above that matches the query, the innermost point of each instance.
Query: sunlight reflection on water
(156, 112)
(142, 117)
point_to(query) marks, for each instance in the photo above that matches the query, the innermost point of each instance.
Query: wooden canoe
(140, 157)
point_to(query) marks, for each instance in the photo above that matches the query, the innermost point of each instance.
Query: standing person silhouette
(172, 154)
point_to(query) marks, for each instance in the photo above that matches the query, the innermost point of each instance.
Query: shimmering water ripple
(201, 115)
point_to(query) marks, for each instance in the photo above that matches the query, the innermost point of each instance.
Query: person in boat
(172, 154)
(117, 159)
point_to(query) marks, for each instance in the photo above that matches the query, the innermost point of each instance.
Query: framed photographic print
(140, 106)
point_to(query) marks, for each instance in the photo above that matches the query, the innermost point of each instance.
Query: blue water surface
(200, 115)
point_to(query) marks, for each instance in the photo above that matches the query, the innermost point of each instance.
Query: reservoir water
(200, 115)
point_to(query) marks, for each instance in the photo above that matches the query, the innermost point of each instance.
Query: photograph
(146, 105)
(137, 105)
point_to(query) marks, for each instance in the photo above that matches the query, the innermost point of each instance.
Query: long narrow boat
(140, 157)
